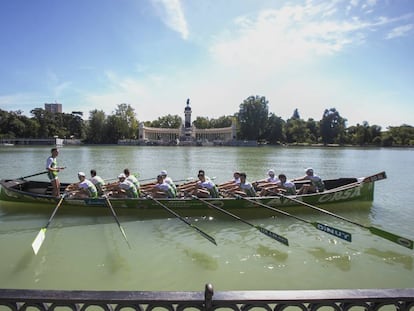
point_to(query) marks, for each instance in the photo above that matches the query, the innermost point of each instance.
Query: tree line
(253, 120)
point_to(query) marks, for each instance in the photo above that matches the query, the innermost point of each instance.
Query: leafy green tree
(332, 127)
(253, 116)
(375, 133)
(313, 130)
(75, 126)
(168, 121)
(115, 129)
(223, 121)
(45, 121)
(402, 135)
(205, 123)
(275, 130)
(125, 122)
(201, 123)
(296, 131)
(96, 129)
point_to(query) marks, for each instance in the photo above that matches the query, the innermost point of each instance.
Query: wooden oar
(116, 219)
(180, 180)
(38, 241)
(322, 227)
(269, 233)
(41, 173)
(379, 232)
(205, 235)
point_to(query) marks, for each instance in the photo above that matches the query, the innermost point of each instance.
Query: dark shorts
(51, 176)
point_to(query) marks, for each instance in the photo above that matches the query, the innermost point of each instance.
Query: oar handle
(23, 177)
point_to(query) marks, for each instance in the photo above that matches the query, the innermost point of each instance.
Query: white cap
(271, 172)
(81, 174)
(163, 172)
(122, 175)
(309, 169)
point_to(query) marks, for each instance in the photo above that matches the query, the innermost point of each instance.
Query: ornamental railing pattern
(207, 300)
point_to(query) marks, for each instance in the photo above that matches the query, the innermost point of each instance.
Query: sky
(356, 56)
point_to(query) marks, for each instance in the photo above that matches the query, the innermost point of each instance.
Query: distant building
(79, 113)
(53, 108)
(187, 133)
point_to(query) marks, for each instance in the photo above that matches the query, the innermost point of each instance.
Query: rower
(205, 188)
(98, 182)
(162, 189)
(131, 178)
(123, 188)
(245, 188)
(83, 189)
(316, 183)
(169, 181)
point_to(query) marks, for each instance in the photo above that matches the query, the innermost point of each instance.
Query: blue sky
(356, 56)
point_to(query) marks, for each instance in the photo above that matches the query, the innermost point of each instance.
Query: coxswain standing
(52, 171)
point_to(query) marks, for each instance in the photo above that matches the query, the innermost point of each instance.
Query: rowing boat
(338, 190)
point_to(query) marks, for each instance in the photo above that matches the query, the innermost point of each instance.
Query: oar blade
(125, 237)
(273, 235)
(38, 241)
(208, 237)
(392, 237)
(333, 231)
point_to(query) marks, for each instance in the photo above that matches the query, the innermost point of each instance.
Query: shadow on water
(267, 252)
(392, 258)
(340, 261)
(206, 261)
(114, 262)
(24, 262)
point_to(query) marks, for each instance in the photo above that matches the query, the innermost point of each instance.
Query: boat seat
(37, 190)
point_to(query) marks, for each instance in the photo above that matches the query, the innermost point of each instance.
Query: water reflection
(340, 261)
(392, 258)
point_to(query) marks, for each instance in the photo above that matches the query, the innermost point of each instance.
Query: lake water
(88, 251)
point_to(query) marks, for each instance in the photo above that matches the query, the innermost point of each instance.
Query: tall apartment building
(53, 108)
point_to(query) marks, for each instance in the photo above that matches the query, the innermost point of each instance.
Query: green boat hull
(22, 191)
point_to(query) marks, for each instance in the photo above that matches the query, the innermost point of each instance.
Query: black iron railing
(309, 300)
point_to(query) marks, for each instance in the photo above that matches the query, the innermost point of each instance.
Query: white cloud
(399, 31)
(173, 16)
(278, 38)
(299, 34)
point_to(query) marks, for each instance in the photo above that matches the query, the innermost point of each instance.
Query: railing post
(208, 297)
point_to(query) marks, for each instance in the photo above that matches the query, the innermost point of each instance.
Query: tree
(95, 132)
(253, 117)
(332, 127)
(168, 121)
(275, 130)
(296, 131)
(204, 123)
(125, 121)
(313, 127)
(402, 135)
(223, 121)
(45, 121)
(201, 123)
